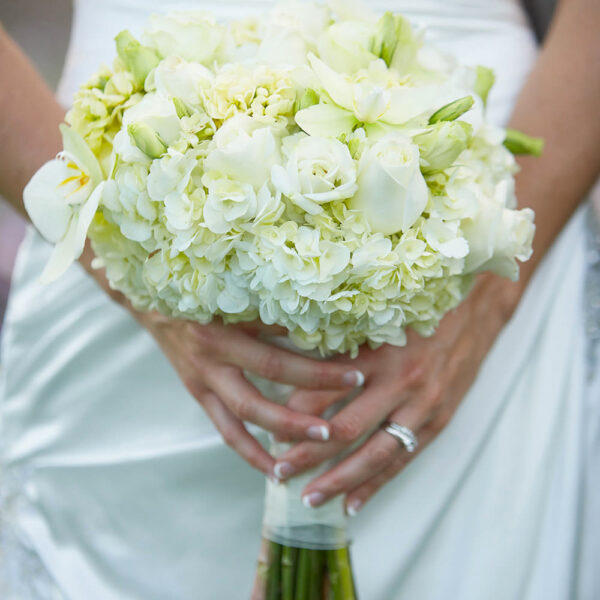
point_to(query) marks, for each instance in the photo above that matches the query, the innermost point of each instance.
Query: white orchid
(61, 200)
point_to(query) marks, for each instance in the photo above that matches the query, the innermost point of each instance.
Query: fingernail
(275, 479)
(354, 378)
(353, 507)
(283, 470)
(318, 432)
(313, 499)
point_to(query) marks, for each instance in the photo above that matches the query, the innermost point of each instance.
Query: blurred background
(41, 28)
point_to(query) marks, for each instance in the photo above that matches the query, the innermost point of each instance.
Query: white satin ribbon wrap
(286, 519)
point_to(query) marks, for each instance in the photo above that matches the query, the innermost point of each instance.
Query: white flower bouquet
(321, 168)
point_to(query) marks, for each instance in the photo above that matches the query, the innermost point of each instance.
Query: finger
(351, 424)
(357, 497)
(378, 452)
(366, 412)
(236, 435)
(259, 328)
(245, 402)
(315, 402)
(304, 456)
(420, 409)
(276, 364)
(312, 402)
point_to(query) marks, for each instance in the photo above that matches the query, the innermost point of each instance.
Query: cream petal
(45, 202)
(71, 246)
(325, 120)
(336, 85)
(75, 145)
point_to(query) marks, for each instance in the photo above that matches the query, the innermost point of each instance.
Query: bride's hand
(210, 360)
(418, 386)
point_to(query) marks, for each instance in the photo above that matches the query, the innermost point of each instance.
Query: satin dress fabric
(116, 485)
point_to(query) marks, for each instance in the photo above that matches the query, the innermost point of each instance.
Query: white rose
(318, 170)
(177, 78)
(344, 46)
(496, 237)
(192, 35)
(306, 19)
(391, 190)
(244, 150)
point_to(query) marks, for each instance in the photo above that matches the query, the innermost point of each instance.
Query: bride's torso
(78, 369)
(75, 364)
(91, 412)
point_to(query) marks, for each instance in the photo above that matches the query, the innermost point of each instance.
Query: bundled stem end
(307, 574)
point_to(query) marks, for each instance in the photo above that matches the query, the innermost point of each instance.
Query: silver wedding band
(403, 434)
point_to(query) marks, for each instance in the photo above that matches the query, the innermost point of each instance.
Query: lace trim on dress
(592, 290)
(23, 575)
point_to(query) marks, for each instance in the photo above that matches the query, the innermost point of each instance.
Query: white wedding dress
(116, 486)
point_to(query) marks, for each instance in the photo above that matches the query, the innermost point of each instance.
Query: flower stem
(288, 567)
(317, 562)
(274, 573)
(340, 574)
(303, 575)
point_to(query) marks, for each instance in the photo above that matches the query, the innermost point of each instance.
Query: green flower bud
(393, 34)
(147, 140)
(354, 147)
(309, 98)
(138, 59)
(521, 143)
(182, 109)
(452, 111)
(441, 144)
(484, 81)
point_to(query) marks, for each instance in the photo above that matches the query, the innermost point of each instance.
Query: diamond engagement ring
(403, 434)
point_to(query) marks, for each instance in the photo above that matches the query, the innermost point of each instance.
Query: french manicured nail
(353, 507)
(313, 499)
(283, 470)
(318, 432)
(354, 378)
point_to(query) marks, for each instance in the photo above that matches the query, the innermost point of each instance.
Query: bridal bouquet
(320, 167)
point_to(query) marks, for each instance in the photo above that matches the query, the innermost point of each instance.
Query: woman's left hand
(419, 386)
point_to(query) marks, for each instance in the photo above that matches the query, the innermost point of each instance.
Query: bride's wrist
(494, 299)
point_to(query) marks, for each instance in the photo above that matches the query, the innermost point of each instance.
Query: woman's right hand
(210, 360)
